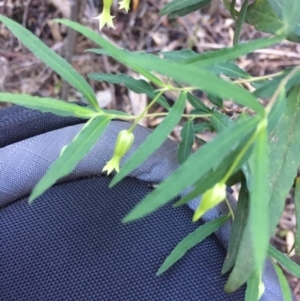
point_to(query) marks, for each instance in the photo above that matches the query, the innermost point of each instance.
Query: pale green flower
(105, 17)
(125, 4)
(123, 144)
(211, 198)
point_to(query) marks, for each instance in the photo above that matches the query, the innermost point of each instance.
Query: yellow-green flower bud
(211, 198)
(105, 17)
(123, 144)
(125, 4)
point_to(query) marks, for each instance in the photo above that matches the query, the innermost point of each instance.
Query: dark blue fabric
(18, 123)
(70, 245)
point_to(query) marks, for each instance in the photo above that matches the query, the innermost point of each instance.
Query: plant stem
(254, 79)
(280, 86)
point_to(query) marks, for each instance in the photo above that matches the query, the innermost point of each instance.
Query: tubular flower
(211, 198)
(106, 17)
(125, 4)
(123, 144)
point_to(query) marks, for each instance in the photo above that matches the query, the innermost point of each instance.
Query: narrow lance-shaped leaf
(244, 260)
(215, 100)
(215, 175)
(238, 229)
(189, 9)
(211, 154)
(187, 140)
(262, 16)
(254, 242)
(51, 59)
(191, 75)
(116, 53)
(51, 105)
(284, 147)
(291, 266)
(270, 86)
(136, 85)
(229, 69)
(252, 291)
(154, 140)
(290, 14)
(230, 53)
(285, 288)
(220, 121)
(198, 105)
(190, 241)
(201, 127)
(297, 212)
(240, 22)
(72, 154)
(178, 5)
(259, 196)
(277, 111)
(198, 78)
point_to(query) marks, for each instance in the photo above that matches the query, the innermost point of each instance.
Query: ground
(142, 29)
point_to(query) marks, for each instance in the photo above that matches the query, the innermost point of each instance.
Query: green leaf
(292, 267)
(209, 155)
(191, 241)
(200, 79)
(277, 111)
(215, 100)
(259, 196)
(270, 86)
(254, 242)
(240, 22)
(244, 260)
(187, 141)
(230, 53)
(178, 55)
(229, 69)
(51, 59)
(238, 229)
(261, 15)
(116, 53)
(297, 212)
(51, 105)
(119, 114)
(139, 86)
(71, 154)
(220, 121)
(200, 127)
(198, 105)
(284, 147)
(216, 174)
(290, 14)
(252, 290)
(191, 75)
(154, 140)
(232, 9)
(182, 7)
(285, 288)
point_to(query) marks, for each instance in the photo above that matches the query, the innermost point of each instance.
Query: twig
(70, 42)
(25, 14)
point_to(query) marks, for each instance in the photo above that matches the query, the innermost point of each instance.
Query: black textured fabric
(18, 123)
(70, 245)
